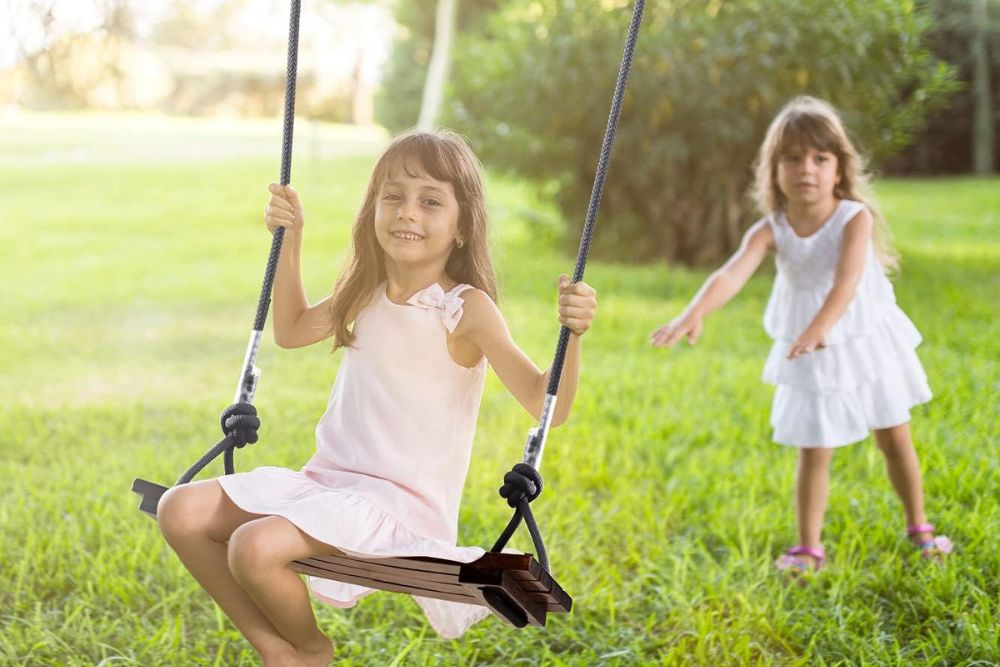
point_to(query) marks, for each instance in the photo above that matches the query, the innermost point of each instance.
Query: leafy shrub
(532, 88)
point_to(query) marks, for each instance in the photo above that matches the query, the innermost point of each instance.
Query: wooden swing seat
(514, 586)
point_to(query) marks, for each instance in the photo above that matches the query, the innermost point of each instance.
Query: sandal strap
(920, 528)
(802, 550)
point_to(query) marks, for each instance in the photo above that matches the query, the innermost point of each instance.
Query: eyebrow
(422, 187)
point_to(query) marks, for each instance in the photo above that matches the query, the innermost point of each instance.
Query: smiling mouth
(406, 236)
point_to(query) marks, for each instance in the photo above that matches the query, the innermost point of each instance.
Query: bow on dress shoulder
(449, 303)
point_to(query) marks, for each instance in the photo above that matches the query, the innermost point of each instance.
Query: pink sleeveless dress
(393, 450)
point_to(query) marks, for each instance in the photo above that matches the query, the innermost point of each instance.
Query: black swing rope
(239, 421)
(523, 483)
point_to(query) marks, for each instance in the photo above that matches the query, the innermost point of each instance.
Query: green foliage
(533, 92)
(132, 285)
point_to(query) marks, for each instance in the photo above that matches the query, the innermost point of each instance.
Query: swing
(518, 588)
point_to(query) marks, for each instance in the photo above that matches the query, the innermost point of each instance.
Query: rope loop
(240, 422)
(521, 484)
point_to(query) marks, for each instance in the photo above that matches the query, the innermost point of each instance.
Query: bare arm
(719, 288)
(483, 326)
(850, 268)
(295, 322)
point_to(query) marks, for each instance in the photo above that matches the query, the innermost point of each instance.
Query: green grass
(129, 290)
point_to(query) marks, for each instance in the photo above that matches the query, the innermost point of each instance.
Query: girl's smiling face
(416, 218)
(808, 176)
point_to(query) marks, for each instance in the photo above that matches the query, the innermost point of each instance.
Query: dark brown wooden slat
(335, 570)
(379, 567)
(422, 564)
(535, 582)
(454, 596)
(536, 589)
(502, 579)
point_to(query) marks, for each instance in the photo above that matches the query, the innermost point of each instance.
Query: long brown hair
(810, 122)
(443, 156)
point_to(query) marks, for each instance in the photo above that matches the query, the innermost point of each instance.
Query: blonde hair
(810, 122)
(443, 156)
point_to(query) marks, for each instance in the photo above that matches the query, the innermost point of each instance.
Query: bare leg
(197, 520)
(260, 554)
(812, 489)
(903, 467)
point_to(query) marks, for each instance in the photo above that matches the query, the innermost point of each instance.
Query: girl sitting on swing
(415, 311)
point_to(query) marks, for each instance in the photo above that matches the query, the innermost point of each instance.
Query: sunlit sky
(21, 29)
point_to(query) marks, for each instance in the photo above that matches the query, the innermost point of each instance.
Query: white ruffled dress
(393, 450)
(868, 376)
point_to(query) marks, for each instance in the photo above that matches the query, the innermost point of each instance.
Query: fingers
(286, 192)
(283, 208)
(670, 334)
(577, 326)
(577, 304)
(275, 217)
(661, 337)
(566, 286)
(666, 337)
(800, 349)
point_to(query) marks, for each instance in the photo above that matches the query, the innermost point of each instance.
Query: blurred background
(136, 141)
(526, 81)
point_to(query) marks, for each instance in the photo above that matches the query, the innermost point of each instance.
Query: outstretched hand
(577, 305)
(283, 209)
(684, 326)
(812, 339)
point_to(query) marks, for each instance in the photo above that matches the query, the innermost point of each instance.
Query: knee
(253, 552)
(891, 447)
(181, 512)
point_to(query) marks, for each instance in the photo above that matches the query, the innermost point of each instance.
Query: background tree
(398, 103)
(983, 152)
(966, 33)
(533, 89)
(437, 71)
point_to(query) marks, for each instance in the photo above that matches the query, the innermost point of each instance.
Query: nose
(405, 210)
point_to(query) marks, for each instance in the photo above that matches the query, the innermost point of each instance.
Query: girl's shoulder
(850, 209)
(478, 310)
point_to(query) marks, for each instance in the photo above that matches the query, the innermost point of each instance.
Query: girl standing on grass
(843, 358)
(414, 309)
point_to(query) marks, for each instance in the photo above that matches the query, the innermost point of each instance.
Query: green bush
(532, 90)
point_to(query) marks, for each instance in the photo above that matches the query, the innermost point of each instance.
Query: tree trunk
(437, 71)
(982, 110)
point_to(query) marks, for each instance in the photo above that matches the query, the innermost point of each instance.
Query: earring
(459, 243)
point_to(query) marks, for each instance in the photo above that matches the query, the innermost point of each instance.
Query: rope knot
(240, 422)
(521, 484)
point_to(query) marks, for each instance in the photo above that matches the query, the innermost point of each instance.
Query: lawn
(130, 284)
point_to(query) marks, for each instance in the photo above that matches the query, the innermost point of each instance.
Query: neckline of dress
(826, 223)
(384, 290)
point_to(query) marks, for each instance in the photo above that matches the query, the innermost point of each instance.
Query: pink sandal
(788, 561)
(935, 548)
